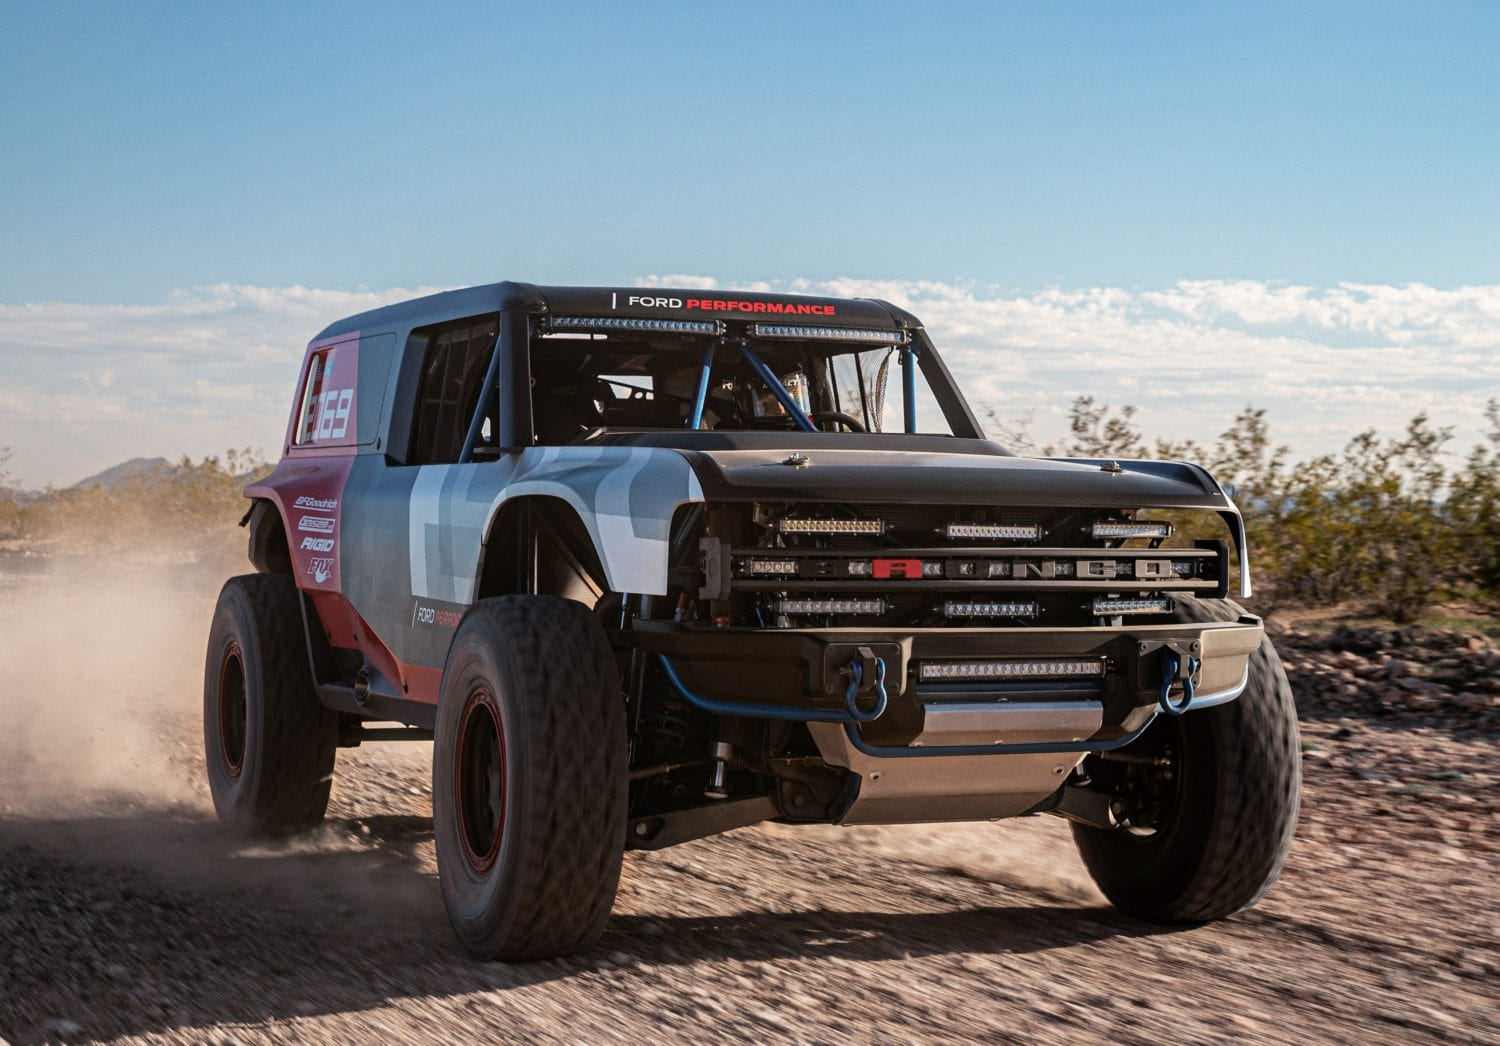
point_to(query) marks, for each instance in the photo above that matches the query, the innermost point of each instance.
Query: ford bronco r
(647, 566)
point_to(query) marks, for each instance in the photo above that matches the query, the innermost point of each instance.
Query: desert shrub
(1383, 521)
(188, 508)
(1474, 506)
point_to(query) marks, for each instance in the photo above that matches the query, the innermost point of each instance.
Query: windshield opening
(634, 381)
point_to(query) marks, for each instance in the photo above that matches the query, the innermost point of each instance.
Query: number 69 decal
(333, 413)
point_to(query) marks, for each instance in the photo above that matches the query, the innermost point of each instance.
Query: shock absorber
(718, 771)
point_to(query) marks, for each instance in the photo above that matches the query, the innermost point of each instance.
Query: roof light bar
(993, 531)
(989, 608)
(633, 323)
(1116, 607)
(831, 526)
(769, 567)
(798, 332)
(979, 671)
(1144, 528)
(830, 606)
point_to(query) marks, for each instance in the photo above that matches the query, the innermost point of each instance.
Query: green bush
(1384, 521)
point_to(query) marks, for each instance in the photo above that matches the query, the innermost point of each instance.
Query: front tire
(1225, 810)
(268, 743)
(529, 779)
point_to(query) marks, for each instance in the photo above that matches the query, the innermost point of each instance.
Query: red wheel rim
(232, 710)
(479, 780)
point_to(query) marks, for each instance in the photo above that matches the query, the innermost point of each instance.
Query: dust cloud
(101, 684)
(101, 669)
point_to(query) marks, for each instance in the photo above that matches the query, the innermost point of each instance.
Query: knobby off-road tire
(529, 779)
(1226, 834)
(268, 743)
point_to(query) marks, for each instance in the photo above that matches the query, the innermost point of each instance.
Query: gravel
(124, 913)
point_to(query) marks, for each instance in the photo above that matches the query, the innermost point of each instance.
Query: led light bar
(632, 323)
(989, 608)
(800, 333)
(993, 531)
(1145, 528)
(830, 606)
(1116, 607)
(978, 671)
(769, 567)
(831, 526)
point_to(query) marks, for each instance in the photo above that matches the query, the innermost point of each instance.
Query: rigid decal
(317, 544)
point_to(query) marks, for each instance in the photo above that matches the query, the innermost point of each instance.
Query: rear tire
(269, 745)
(1220, 842)
(529, 779)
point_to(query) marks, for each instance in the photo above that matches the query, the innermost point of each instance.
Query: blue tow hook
(851, 695)
(1170, 664)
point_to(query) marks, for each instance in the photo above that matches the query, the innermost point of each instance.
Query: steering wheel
(837, 417)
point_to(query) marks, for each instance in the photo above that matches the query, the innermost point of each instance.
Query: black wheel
(268, 743)
(823, 418)
(529, 779)
(1211, 799)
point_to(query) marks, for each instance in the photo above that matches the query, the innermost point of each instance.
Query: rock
(1397, 668)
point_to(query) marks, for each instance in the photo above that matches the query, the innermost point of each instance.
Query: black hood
(746, 466)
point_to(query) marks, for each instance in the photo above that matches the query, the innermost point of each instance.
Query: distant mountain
(112, 477)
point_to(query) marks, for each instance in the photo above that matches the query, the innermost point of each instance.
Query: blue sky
(152, 147)
(191, 190)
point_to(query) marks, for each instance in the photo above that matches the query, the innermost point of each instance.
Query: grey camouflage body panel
(415, 534)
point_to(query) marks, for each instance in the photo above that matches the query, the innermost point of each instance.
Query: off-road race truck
(650, 565)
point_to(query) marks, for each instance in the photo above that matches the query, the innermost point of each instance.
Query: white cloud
(209, 368)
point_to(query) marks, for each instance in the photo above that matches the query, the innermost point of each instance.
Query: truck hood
(926, 477)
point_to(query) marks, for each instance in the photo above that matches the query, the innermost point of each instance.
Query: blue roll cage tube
(851, 715)
(694, 419)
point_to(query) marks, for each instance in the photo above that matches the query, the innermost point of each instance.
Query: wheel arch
(269, 551)
(538, 544)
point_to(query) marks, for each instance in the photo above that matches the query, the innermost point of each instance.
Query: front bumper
(806, 669)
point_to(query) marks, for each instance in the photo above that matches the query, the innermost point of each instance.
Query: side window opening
(326, 415)
(313, 391)
(452, 381)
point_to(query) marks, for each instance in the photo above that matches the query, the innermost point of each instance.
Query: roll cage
(554, 352)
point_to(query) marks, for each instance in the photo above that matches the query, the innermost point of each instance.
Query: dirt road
(125, 914)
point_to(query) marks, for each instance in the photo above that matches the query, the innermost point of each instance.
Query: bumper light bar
(1116, 607)
(631, 323)
(993, 531)
(976, 671)
(1146, 528)
(770, 567)
(796, 332)
(831, 526)
(989, 608)
(830, 606)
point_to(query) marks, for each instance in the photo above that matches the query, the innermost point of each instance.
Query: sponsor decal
(428, 616)
(317, 544)
(321, 504)
(769, 308)
(320, 568)
(316, 524)
(774, 308)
